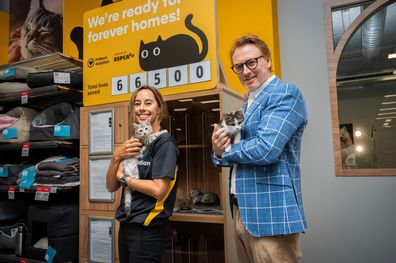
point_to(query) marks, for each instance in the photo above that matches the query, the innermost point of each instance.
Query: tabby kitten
(41, 32)
(232, 123)
(144, 133)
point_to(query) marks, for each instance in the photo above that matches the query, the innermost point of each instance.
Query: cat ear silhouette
(106, 2)
(76, 35)
(159, 38)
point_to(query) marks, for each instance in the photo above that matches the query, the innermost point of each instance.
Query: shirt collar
(257, 91)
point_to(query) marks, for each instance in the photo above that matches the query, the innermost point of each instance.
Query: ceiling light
(359, 148)
(215, 109)
(384, 109)
(358, 133)
(209, 101)
(388, 120)
(393, 55)
(390, 96)
(386, 113)
(388, 102)
(180, 109)
(385, 118)
(185, 100)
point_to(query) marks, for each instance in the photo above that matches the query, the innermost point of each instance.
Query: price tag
(200, 72)
(24, 97)
(119, 85)
(9, 72)
(137, 80)
(25, 149)
(61, 77)
(11, 192)
(178, 76)
(49, 256)
(62, 130)
(4, 171)
(53, 189)
(10, 133)
(28, 177)
(157, 78)
(42, 193)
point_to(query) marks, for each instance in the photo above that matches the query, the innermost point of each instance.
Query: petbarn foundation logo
(123, 56)
(97, 61)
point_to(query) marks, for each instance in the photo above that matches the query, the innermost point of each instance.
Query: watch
(123, 180)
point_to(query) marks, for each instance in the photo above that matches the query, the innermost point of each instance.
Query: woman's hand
(128, 149)
(220, 141)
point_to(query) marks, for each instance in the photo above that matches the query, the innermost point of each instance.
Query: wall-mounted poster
(167, 44)
(36, 28)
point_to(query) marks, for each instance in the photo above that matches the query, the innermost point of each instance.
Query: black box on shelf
(54, 225)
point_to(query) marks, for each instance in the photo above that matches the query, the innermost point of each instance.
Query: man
(265, 187)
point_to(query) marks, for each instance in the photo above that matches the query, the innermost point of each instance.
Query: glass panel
(366, 91)
(343, 17)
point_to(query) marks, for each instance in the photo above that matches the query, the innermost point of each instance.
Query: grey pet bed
(64, 113)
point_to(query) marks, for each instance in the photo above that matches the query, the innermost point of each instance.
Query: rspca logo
(143, 163)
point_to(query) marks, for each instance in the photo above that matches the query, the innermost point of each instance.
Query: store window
(361, 39)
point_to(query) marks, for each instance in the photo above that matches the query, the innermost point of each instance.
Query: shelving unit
(40, 98)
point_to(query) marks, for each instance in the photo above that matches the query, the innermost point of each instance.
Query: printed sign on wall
(168, 44)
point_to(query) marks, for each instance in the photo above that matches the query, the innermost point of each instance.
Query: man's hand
(220, 141)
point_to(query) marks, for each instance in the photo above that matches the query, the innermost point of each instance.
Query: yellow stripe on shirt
(159, 205)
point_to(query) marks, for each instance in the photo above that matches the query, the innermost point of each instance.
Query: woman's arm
(128, 149)
(156, 188)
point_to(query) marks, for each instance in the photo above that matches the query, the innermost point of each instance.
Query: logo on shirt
(144, 163)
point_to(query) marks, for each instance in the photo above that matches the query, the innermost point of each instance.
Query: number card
(200, 72)
(137, 80)
(157, 78)
(119, 85)
(178, 76)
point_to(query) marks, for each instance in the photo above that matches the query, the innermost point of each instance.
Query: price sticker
(25, 149)
(10, 133)
(24, 97)
(62, 77)
(11, 192)
(42, 193)
(62, 130)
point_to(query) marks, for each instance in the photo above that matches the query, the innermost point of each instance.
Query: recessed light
(393, 55)
(386, 113)
(384, 109)
(388, 102)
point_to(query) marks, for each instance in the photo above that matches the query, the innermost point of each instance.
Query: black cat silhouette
(77, 34)
(177, 50)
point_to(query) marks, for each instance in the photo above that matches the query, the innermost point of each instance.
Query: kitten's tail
(127, 201)
(201, 35)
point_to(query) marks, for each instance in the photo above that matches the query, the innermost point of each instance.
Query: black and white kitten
(144, 133)
(232, 124)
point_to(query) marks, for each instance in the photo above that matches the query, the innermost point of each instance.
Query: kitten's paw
(228, 148)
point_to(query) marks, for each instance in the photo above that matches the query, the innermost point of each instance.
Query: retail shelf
(8, 256)
(38, 145)
(193, 217)
(55, 61)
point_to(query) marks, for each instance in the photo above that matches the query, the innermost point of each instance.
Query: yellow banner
(4, 38)
(168, 44)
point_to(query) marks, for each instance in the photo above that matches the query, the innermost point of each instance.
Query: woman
(142, 235)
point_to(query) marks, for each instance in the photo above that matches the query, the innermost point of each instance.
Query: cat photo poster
(35, 28)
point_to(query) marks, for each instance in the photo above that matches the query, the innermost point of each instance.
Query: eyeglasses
(250, 64)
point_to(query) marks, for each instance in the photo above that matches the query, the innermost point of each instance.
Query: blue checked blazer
(268, 179)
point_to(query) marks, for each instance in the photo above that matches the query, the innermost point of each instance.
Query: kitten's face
(232, 122)
(41, 33)
(142, 130)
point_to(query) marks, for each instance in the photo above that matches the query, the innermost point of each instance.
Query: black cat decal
(77, 34)
(177, 50)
